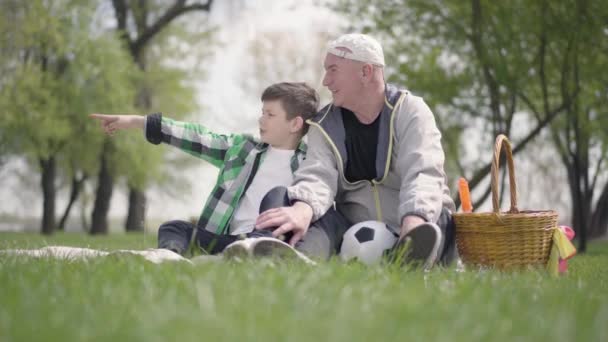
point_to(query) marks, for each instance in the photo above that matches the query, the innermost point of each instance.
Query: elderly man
(376, 153)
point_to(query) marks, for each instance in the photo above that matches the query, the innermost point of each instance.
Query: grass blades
(124, 298)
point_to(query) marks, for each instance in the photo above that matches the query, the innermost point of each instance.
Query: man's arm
(313, 191)
(296, 218)
(420, 164)
(316, 180)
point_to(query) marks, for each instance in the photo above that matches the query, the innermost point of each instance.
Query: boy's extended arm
(113, 123)
(194, 139)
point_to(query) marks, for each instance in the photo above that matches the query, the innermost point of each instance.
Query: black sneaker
(419, 248)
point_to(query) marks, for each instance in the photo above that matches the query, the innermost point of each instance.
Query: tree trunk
(74, 192)
(583, 226)
(580, 209)
(137, 198)
(103, 195)
(137, 210)
(47, 182)
(599, 220)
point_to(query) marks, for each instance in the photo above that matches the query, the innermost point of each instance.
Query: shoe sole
(236, 251)
(270, 247)
(424, 242)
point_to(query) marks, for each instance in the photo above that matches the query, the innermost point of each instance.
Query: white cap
(363, 48)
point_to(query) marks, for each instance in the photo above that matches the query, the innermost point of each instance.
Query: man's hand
(409, 223)
(112, 123)
(295, 219)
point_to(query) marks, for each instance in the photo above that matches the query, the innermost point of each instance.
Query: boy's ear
(296, 124)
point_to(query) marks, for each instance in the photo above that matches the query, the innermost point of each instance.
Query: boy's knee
(175, 225)
(275, 198)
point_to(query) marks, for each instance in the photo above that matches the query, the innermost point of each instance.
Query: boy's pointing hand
(112, 123)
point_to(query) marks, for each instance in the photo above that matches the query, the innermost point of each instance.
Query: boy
(249, 168)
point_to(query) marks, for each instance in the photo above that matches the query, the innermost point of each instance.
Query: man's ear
(296, 124)
(366, 71)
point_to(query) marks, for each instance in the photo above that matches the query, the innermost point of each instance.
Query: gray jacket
(409, 165)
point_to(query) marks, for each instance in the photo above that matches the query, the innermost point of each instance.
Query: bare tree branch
(177, 9)
(483, 197)
(492, 84)
(481, 173)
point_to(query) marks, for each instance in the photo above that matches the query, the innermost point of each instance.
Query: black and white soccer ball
(367, 241)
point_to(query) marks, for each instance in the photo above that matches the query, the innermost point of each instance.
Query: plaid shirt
(236, 155)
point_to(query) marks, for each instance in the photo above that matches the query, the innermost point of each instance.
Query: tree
(52, 72)
(486, 68)
(580, 142)
(138, 23)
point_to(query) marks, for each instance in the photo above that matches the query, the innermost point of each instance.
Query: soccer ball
(367, 241)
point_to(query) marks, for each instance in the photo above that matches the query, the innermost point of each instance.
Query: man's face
(342, 78)
(275, 127)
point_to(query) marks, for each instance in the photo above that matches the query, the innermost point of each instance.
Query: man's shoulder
(414, 103)
(396, 91)
(410, 102)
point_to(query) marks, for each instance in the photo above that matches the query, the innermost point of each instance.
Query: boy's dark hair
(297, 98)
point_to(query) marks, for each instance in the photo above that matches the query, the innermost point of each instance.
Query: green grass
(128, 298)
(106, 242)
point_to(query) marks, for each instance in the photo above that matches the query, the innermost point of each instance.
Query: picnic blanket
(153, 255)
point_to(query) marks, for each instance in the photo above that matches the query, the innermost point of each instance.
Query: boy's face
(275, 128)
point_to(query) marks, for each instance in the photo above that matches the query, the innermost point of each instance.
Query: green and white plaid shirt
(236, 155)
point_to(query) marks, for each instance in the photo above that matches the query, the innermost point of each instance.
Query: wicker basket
(509, 240)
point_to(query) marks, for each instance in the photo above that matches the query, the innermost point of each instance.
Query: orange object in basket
(465, 195)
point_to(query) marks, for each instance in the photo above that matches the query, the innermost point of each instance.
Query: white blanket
(156, 256)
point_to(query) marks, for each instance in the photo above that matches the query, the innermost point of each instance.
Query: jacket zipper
(374, 184)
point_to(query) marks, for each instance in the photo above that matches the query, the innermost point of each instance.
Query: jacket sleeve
(316, 180)
(194, 139)
(420, 161)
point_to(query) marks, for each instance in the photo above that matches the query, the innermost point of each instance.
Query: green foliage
(141, 162)
(56, 68)
(169, 85)
(485, 66)
(55, 74)
(105, 80)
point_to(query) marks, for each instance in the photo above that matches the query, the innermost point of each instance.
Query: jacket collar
(330, 120)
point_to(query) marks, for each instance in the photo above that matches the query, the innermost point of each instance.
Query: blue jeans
(177, 235)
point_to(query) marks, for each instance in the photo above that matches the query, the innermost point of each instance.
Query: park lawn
(127, 298)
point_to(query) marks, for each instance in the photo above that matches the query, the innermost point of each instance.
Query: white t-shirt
(274, 170)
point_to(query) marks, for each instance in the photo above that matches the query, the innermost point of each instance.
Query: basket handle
(502, 140)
